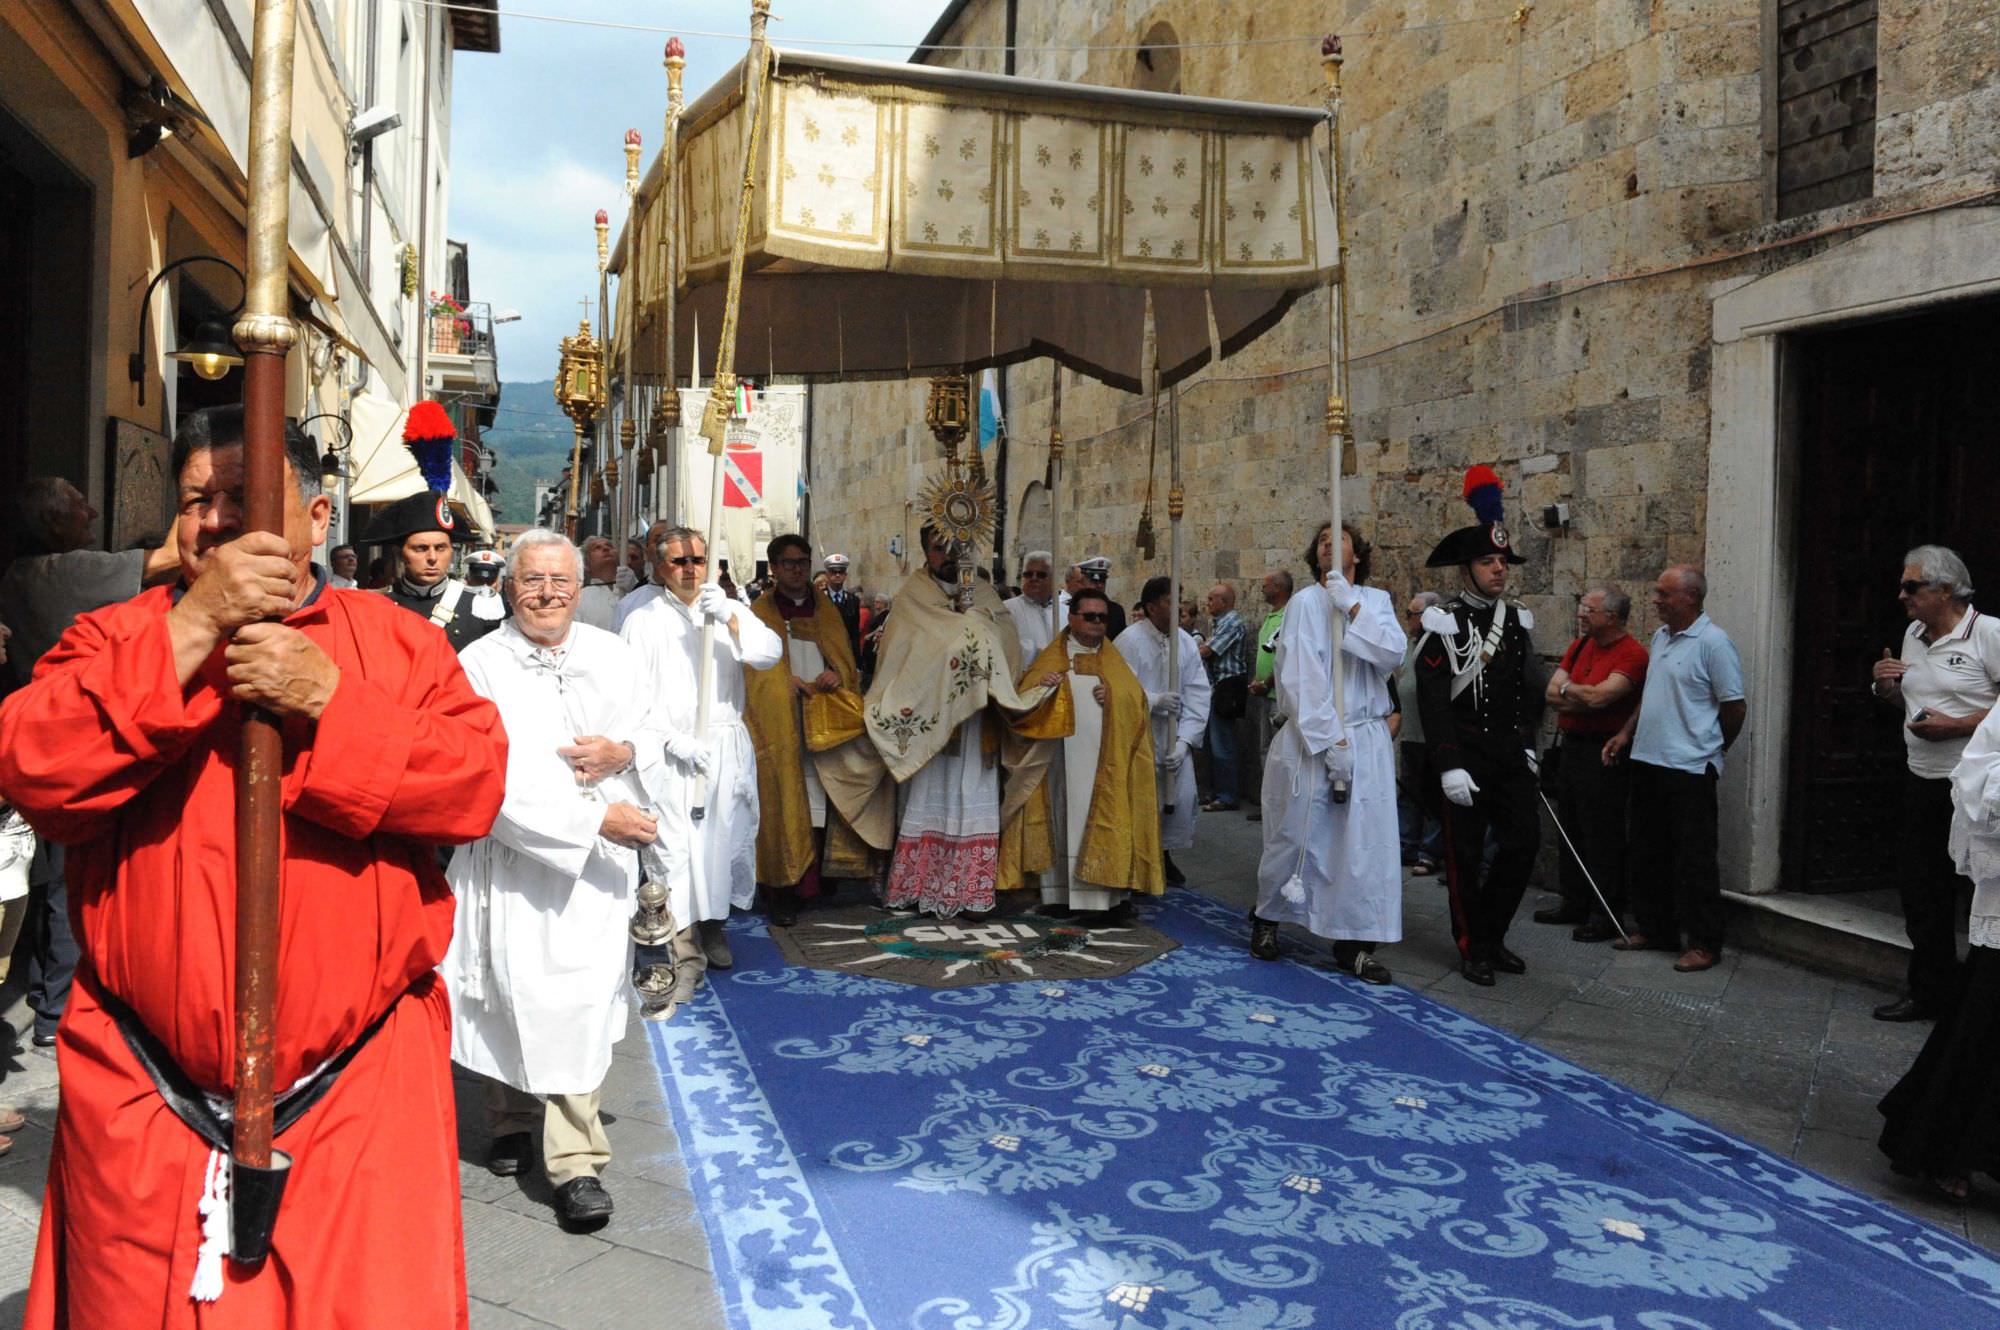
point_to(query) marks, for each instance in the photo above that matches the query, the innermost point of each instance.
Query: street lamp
(212, 353)
(332, 465)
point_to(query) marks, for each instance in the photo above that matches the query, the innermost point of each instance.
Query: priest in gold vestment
(1080, 804)
(799, 713)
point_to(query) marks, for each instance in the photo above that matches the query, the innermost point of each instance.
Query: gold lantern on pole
(580, 393)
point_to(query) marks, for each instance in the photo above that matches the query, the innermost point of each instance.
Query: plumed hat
(404, 518)
(430, 436)
(1483, 489)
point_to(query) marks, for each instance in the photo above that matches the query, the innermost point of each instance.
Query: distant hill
(531, 437)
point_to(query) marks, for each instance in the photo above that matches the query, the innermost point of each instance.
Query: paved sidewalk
(1772, 1052)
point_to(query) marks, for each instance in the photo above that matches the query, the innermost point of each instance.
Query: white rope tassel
(1294, 891)
(207, 1286)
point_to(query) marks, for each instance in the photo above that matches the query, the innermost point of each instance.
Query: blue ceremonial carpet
(1209, 1141)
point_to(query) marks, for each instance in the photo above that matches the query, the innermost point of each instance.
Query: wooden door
(1897, 431)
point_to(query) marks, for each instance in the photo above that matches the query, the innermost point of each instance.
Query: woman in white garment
(1943, 1117)
(1333, 863)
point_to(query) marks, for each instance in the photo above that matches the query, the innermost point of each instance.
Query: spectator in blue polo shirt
(1692, 709)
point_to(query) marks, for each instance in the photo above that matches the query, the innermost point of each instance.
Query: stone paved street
(1775, 1053)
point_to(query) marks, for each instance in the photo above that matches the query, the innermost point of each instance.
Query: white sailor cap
(486, 556)
(1096, 567)
(835, 563)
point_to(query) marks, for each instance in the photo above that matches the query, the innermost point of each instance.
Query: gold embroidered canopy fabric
(908, 219)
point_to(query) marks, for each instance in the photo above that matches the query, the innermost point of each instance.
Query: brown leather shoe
(1696, 959)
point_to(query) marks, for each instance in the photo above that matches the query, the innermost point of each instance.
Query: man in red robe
(124, 748)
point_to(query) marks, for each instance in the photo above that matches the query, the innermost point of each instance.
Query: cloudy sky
(538, 133)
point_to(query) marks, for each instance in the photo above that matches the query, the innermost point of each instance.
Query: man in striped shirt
(1227, 657)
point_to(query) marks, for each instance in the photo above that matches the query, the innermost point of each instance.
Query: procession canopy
(908, 219)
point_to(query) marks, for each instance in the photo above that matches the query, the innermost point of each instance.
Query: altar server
(1179, 719)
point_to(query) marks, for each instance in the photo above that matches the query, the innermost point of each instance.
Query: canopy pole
(667, 412)
(1055, 500)
(1175, 505)
(625, 478)
(601, 448)
(1331, 60)
(722, 386)
(266, 334)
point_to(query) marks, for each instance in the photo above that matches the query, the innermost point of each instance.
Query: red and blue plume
(1483, 488)
(430, 436)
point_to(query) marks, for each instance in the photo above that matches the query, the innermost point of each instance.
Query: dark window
(1826, 103)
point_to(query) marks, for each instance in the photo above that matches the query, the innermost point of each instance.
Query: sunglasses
(1088, 617)
(1912, 588)
(797, 563)
(687, 560)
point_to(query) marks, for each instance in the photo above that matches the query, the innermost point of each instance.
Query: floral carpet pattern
(1213, 1143)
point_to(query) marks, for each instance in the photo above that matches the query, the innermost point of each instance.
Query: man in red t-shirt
(1592, 694)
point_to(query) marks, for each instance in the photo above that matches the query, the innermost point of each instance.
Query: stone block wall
(1539, 215)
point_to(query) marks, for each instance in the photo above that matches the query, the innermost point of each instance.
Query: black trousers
(1929, 889)
(1676, 884)
(1592, 799)
(52, 949)
(1508, 806)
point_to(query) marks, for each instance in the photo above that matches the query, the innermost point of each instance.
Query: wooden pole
(265, 334)
(1336, 339)
(1055, 500)
(628, 329)
(722, 387)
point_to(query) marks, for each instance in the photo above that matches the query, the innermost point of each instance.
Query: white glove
(715, 603)
(1534, 761)
(1176, 755)
(1339, 760)
(1164, 704)
(1459, 787)
(691, 752)
(1345, 597)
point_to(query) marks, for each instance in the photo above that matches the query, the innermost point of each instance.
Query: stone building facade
(1584, 238)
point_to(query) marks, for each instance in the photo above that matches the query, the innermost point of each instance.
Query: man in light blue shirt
(1691, 711)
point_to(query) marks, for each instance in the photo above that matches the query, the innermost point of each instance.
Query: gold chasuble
(785, 730)
(1121, 836)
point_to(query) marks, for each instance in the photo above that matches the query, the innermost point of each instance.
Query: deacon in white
(1179, 719)
(718, 868)
(1333, 866)
(1033, 610)
(540, 954)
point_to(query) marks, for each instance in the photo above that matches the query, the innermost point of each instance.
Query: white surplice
(1349, 855)
(1034, 624)
(1071, 783)
(597, 605)
(539, 957)
(711, 864)
(1145, 650)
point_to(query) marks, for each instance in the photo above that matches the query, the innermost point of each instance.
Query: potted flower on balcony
(448, 323)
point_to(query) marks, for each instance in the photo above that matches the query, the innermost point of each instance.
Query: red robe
(108, 754)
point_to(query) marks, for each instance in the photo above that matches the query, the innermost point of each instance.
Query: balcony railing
(461, 351)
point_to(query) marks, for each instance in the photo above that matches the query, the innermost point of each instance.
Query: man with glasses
(801, 714)
(1945, 681)
(540, 948)
(712, 861)
(1592, 692)
(1033, 614)
(1179, 719)
(1083, 801)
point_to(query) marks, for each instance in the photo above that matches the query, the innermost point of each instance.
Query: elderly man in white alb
(1179, 719)
(712, 861)
(540, 948)
(1034, 610)
(1332, 864)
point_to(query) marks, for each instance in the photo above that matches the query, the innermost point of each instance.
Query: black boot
(1263, 938)
(1175, 877)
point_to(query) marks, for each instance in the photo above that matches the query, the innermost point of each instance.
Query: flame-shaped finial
(675, 50)
(603, 217)
(1329, 46)
(631, 138)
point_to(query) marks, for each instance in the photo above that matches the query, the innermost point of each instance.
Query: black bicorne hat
(427, 511)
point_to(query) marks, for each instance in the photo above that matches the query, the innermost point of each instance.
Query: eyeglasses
(1912, 588)
(1094, 618)
(561, 586)
(1034, 573)
(689, 560)
(796, 563)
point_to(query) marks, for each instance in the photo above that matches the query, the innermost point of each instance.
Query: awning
(909, 219)
(386, 471)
